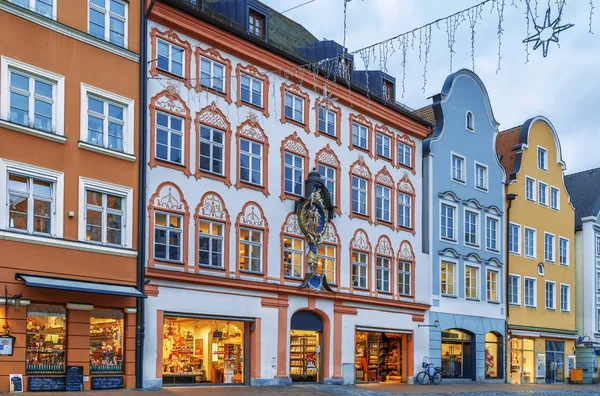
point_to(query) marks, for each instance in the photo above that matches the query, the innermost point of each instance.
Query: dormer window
(388, 91)
(256, 24)
(470, 122)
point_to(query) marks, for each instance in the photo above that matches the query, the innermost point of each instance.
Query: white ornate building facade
(229, 145)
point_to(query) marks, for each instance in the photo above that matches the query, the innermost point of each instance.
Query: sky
(562, 87)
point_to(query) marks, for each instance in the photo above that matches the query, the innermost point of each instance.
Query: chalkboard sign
(36, 384)
(74, 381)
(107, 383)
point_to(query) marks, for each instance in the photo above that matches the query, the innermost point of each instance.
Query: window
(46, 331)
(597, 245)
(543, 194)
(565, 298)
(108, 21)
(554, 198)
(212, 74)
(210, 244)
(250, 250)
(514, 290)
(169, 58)
(540, 269)
(32, 101)
(211, 150)
(492, 286)
(256, 24)
(549, 247)
(530, 292)
(388, 90)
(550, 289)
(107, 336)
(359, 195)
(491, 234)
(328, 177)
(251, 90)
(405, 155)
(597, 281)
(104, 217)
(359, 136)
(404, 278)
(447, 220)
(470, 122)
(251, 162)
(169, 138)
(404, 210)
(542, 158)
(471, 275)
(530, 189)
(481, 176)
(293, 173)
(43, 7)
(383, 274)
(458, 168)
(563, 251)
(327, 121)
(294, 108)
(530, 239)
(383, 203)
(598, 319)
(471, 228)
(383, 146)
(31, 203)
(326, 261)
(293, 258)
(168, 238)
(359, 270)
(514, 238)
(447, 270)
(106, 121)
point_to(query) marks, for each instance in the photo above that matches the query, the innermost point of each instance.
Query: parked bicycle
(429, 374)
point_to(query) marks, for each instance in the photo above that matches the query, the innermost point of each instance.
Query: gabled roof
(505, 144)
(426, 113)
(584, 189)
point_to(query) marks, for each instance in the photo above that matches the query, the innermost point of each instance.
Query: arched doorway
(494, 353)
(458, 354)
(306, 337)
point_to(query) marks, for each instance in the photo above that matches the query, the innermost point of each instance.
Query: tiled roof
(584, 190)
(505, 144)
(426, 113)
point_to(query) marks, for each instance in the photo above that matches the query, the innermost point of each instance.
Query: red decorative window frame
(252, 71)
(360, 169)
(252, 216)
(384, 249)
(213, 117)
(163, 200)
(405, 186)
(251, 130)
(326, 156)
(404, 138)
(296, 91)
(168, 101)
(214, 55)
(406, 254)
(383, 178)
(361, 120)
(171, 37)
(384, 130)
(360, 243)
(338, 120)
(212, 208)
(293, 145)
(290, 228)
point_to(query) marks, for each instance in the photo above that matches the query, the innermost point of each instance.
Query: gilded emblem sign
(312, 217)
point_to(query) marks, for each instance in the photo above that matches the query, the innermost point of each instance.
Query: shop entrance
(305, 347)
(522, 364)
(458, 357)
(555, 362)
(379, 356)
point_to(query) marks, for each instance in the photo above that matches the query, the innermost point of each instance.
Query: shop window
(46, 339)
(522, 364)
(378, 357)
(457, 354)
(197, 351)
(306, 338)
(493, 356)
(107, 341)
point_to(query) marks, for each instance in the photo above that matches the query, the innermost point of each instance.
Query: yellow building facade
(541, 260)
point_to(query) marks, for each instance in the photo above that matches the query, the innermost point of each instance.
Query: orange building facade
(69, 90)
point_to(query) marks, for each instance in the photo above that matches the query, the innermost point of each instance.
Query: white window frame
(534, 255)
(107, 16)
(170, 58)
(568, 255)
(404, 147)
(534, 280)
(360, 128)
(557, 206)
(327, 179)
(386, 203)
(211, 236)
(479, 165)
(293, 168)
(568, 308)
(533, 190)
(128, 118)
(58, 188)
(251, 155)
(545, 195)
(401, 274)
(107, 188)
(545, 168)
(32, 7)
(212, 77)
(498, 233)
(518, 278)
(543, 271)
(463, 172)
(251, 245)
(293, 252)
(553, 258)
(476, 287)
(169, 230)
(477, 242)
(553, 307)
(326, 113)
(384, 138)
(294, 98)
(597, 245)
(359, 190)
(401, 208)
(454, 222)
(58, 116)
(597, 319)
(252, 81)
(470, 128)
(359, 265)
(324, 257)
(212, 144)
(381, 270)
(497, 283)
(519, 241)
(455, 275)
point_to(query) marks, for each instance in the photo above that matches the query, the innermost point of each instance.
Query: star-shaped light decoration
(326, 99)
(547, 32)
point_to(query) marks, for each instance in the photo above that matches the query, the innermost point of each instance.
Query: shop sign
(7, 345)
(16, 383)
(541, 365)
(107, 383)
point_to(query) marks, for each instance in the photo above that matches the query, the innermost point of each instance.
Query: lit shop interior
(458, 355)
(522, 363)
(203, 351)
(379, 356)
(305, 347)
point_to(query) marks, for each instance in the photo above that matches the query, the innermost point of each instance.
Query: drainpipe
(510, 198)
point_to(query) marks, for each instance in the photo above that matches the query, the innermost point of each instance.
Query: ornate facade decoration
(252, 130)
(330, 236)
(294, 144)
(212, 116)
(360, 168)
(252, 216)
(383, 177)
(404, 185)
(327, 157)
(168, 200)
(406, 253)
(384, 246)
(212, 206)
(361, 241)
(171, 101)
(292, 226)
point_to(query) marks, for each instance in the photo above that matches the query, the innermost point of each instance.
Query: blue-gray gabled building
(463, 231)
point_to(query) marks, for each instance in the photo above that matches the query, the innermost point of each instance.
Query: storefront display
(106, 341)
(46, 335)
(493, 356)
(523, 362)
(304, 356)
(457, 354)
(197, 351)
(555, 361)
(378, 357)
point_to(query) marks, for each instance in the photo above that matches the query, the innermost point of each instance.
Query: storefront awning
(78, 285)
(382, 330)
(520, 333)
